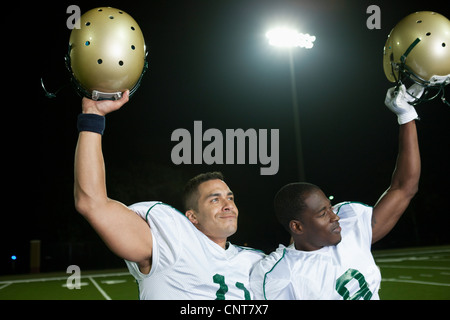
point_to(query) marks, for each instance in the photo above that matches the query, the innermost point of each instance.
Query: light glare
(284, 37)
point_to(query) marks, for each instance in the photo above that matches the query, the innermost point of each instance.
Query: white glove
(398, 101)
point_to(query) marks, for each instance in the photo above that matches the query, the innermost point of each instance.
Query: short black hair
(190, 193)
(289, 202)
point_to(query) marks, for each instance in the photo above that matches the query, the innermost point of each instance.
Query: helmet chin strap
(435, 83)
(48, 94)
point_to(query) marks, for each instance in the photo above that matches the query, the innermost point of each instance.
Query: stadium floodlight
(289, 38)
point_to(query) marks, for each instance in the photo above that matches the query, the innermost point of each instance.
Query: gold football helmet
(107, 54)
(418, 49)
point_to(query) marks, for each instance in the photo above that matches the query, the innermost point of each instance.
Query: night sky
(209, 61)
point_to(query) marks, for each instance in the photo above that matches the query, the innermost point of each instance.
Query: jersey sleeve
(164, 222)
(358, 216)
(270, 278)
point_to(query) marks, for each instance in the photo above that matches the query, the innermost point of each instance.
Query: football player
(172, 255)
(330, 256)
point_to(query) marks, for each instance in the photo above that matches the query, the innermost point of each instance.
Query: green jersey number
(223, 288)
(363, 291)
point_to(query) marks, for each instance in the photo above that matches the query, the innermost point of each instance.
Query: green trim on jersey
(250, 249)
(265, 275)
(165, 204)
(350, 202)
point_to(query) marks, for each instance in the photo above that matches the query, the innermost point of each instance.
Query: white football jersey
(186, 264)
(344, 271)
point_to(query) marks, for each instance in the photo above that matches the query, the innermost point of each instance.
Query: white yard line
(418, 282)
(65, 278)
(412, 252)
(412, 267)
(99, 289)
(5, 285)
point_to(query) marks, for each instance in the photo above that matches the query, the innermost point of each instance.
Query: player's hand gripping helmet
(418, 49)
(107, 55)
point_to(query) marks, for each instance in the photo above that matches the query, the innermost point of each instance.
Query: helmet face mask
(107, 55)
(433, 87)
(418, 51)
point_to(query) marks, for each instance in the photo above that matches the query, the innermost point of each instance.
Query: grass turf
(415, 273)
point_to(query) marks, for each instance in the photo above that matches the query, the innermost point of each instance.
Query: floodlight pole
(296, 113)
(289, 38)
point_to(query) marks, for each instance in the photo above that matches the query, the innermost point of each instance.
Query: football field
(416, 273)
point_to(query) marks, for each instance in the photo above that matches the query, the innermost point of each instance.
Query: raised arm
(123, 231)
(405, 179)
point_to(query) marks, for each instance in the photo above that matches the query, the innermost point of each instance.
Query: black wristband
(91, 122)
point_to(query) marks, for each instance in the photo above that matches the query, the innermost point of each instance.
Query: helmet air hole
(87, 43)
(419, 21)
(133, 47)
(99, 61)
(132, 28)
(428, 33)
(100, 10)
(111, 17)
(443, 44)
(87, 24)
(120, 63)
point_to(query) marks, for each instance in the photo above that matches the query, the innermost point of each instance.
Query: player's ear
(296, 227)
(191, 215)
